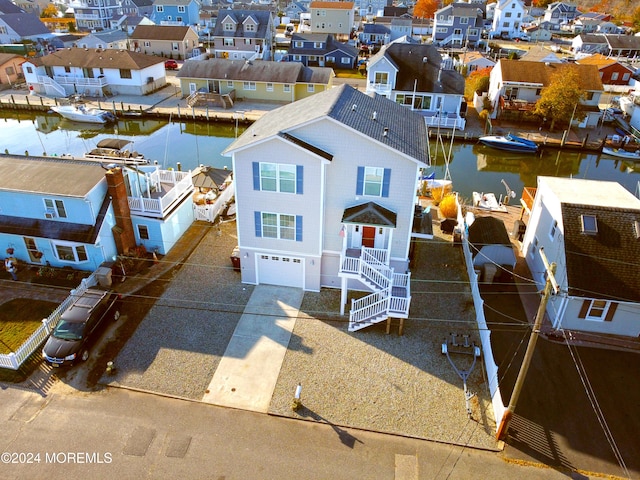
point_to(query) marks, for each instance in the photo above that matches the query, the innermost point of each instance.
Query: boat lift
(465, 348)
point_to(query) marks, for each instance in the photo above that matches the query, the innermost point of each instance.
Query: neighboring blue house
(321, 50)
(457, 25)
(375, 34)
(294, 9)
(561, 13)
(71, 213)
(176, 12)
(417, 77)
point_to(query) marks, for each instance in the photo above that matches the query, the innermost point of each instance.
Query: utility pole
(549, 286)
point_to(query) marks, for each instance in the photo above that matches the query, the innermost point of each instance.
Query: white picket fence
(483, 329)
(13, 360)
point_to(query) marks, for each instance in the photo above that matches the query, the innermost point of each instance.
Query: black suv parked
(79, 326)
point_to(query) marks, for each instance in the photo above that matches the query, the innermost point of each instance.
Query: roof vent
(353, 107)
(425, 60)
(374, 116)
(636, 229)
(385, 132)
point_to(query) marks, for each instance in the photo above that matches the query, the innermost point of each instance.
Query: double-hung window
(373, 181)
(277, 177)
(55, 208)
(278, 225)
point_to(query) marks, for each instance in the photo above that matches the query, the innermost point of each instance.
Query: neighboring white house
(94, 72)
(115, 39)
(326, 189)
(591, 230)
(515, 87)
(507, 18)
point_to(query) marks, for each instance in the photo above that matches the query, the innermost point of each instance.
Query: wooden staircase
(391, 291)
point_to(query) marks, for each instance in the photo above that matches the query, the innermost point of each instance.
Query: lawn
(344, 73)
(19, 318)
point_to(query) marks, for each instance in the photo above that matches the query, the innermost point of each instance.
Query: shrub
(448, 206)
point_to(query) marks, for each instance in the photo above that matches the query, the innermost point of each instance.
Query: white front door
(192, 88)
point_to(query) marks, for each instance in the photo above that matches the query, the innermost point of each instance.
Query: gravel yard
(390, 383)
(366, 379)
(178, 346)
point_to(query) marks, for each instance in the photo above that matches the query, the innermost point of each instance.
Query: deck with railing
(167, 187)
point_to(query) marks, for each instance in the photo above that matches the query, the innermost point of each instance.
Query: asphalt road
(117, 433)
(555, 420)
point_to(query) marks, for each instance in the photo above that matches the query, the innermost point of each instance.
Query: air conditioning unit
(50, 214)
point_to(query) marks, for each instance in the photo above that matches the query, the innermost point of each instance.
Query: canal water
(471, 167)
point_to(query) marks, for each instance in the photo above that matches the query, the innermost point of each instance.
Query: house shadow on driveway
(390, 383)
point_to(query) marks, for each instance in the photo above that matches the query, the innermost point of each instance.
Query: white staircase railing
(368, 310)
(50, 84)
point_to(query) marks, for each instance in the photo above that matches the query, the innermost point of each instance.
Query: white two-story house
(325, 196)
(507, 18)
(591, 230)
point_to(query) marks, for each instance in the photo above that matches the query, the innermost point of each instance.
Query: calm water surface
(472, 167)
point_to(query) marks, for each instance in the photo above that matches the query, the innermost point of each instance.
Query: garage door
(280, 270)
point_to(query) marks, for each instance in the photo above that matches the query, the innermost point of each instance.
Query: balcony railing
(81, 81)
(167, 187)
(379, 88)
(520, 105)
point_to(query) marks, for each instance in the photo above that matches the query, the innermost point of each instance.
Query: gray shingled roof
(405, 130)
(111, 36)
(255, 71)
(603, 265)
(261, 17)
(159, 32)
(98, 58)
(488, 231)
(7, 7)
(410, 60)
(26, 24)
(623, 42)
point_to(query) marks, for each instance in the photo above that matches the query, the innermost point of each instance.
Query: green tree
(560, 100)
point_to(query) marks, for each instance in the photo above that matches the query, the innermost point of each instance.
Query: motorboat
(509, 142)
(81, 113)
(622, 153)
(113, 150)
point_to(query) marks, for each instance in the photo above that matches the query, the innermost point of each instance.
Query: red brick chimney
(123, 229)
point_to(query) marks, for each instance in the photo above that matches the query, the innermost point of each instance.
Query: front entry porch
(367, 232)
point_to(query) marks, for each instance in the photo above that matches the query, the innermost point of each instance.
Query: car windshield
(68, 330)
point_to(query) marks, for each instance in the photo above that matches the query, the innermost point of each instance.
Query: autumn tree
(560, 100)
(50, 12)
(425, 8)
(635, 18)
(477, 81)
